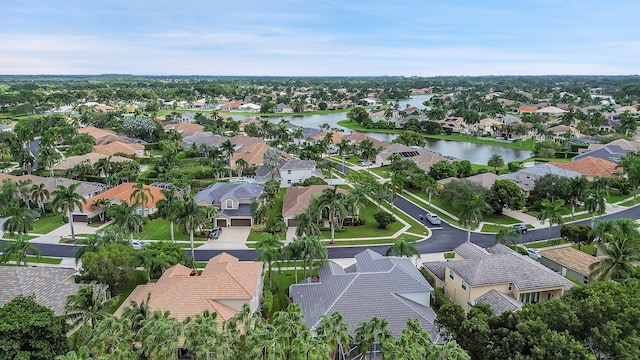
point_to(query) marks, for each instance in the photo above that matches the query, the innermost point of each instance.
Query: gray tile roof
(243, 210)
(468, 250)
(437, 268)
(503, 267)
(499, 302)
(386, 287)
(297, 164)
(214, 193)
(50, 285)
(611, 153)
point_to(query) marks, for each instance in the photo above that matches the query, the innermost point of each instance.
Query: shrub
(384, 218)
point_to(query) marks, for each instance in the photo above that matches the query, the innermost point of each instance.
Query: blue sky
(320, 37)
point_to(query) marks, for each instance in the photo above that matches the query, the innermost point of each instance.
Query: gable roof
(50, 285)
(223, 281)
(611, 153)
(357, 138)
(484, 179)
(551, 110)
(391, 288)
(84, 189)
(590, 166)
(498, 302)
(236, 191)
(95, 132)
(122, 193)
(253, 154)
(428, 158)
(297, 164)
(199, 138)
(297, 198)
(571, 258)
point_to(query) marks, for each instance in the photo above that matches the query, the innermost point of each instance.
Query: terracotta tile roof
(571, 258)
(224, 283)
(184, 127)
(335, 138)
(245, 140)
(95, 132)
(109, 138)
(357, 138)
(118, 147)
(297, 198)
(253, 154)
(590, 166)
(122, 193)
(525, 108)
(90, 158)
(84, 189)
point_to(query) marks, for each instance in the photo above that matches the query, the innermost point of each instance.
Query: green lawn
(382, 171)
(614, 197)
(449, 255)
(387, 241)
(40, 260)
(589, 249)
(159, 229)
(369, 229)
(15, 236)
(139, 278)
(415, 228)
(282, 280)
(47, 224)
(548, 243)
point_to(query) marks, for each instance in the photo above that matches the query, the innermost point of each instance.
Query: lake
(476, 153)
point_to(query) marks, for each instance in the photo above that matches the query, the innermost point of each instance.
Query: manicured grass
(139, 278)
(614, 197)
(355, 126)
(15, 236)
(387, 241)
(382, 171)
(589, 249)
(369, 229)
(281, 281)
(338, 160)
(159, 229)
(415, 228)
(548, 243)
(40, 260)
(449, 255)
(47, 224)
(578, 217)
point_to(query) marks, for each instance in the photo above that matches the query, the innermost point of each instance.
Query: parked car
(433, 219)
(365, 163)
(138, 244)
(215, 233)
(534, 253)
(520, 227)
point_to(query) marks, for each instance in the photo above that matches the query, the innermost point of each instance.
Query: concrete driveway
(233, 237)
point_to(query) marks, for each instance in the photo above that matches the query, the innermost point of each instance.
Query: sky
(320, 37)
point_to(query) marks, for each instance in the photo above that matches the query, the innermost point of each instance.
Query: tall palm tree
(293, 251)
(596, 203)
(311, 248)
(355, 200)
(403, 247)
(102, 205)
(241, 166)
(200, 333)
(622, 253)
(24, 191)
(40, 194)
(449, 351)
(228, 149)
(369, 333)
(18, 249)
(160, 336)
(267, 249)
(334, 331)
(508, 235)
(272, 159)
(630, 163)
(472, 213)
(167, 208)
(368, 151)
(308, 347)
(20, 220)
(576, 190)
(192, 216)
(141, 196)
(495, 161)
(124, 216)
(66, 200)
(87, 306)
(431, 186)
(344, 148)
(551, 212)
(334, 202)
(137, 313)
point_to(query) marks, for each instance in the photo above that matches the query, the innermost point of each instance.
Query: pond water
(476, 153)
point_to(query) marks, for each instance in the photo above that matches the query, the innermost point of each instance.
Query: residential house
(357, 138)
(389, 288)
(253, 154)
(628, 108)
(515, 279)
(118, 147)
(484, 179)
(590, 167)
(198, 139)
(551, 111)
(224, 287)
(117, 195)
(526, 177)
(563, 133)
(526, 109)
(231, 106)
(487, 126)
(233, 201)
(289, 172)
(183, 127)
(96, 133)
(571, 262)
(90, 158)
(249, 107)
(283, 108)
(50, 285)
(297, 198)
(384, 157)
(85, 189)
(425, 159)
(453, 124)
(623, 143)
(608, 152)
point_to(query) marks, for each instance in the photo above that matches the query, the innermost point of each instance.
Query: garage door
(292, 222)
(240, 222)
(221, 222)
(79, 217)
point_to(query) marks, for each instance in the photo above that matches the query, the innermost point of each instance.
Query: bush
(383, 219)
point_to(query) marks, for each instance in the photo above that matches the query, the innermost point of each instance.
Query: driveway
(233, 237)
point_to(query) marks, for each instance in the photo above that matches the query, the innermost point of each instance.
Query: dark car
(520, 227)
(215, 233)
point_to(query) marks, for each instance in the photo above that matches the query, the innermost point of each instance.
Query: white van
(433, 219)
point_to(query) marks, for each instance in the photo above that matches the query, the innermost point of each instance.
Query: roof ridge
(338, 297)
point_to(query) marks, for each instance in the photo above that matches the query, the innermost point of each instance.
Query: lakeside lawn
(357, 127)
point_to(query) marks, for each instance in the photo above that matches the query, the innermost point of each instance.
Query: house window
(530, 298)
(289, 181)
(140, 212)
(229, 204)
(451, 274)
(510, 286)
(549, 296)
(464, 285)
(289, 172)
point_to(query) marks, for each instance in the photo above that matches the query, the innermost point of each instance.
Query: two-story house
(233, 202)
(289, 172)
(498, 276)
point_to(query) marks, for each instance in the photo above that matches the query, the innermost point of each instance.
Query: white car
(433, 219)
(534, 253)
(138, 244)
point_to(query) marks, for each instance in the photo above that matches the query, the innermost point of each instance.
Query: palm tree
(368, 151)
(160, 336)
(431, 186)
(449, 351)
(621, 255)
(344, 148)
(630, 163)
(472, 213)
(24, 191)
(66, 200)
(40, 194)
(102, 205)
(293, 251)
(18, 249)
(307, 223)
(369, 333)
(167, 208)
(267, 249)
(228, 149)
(192, 216)
(141, 196)
(576, 190)
(241, 166)
(200, 332)
(334, 202)
(125, 217)
(311, 248)
(334, 331)
(137, 313)
(404, 247)
(551, 212)
(87, 306)
(272, 159)
(20, 220)
(596, 203)
(508, 235)
(495, 161)
(308, 347)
